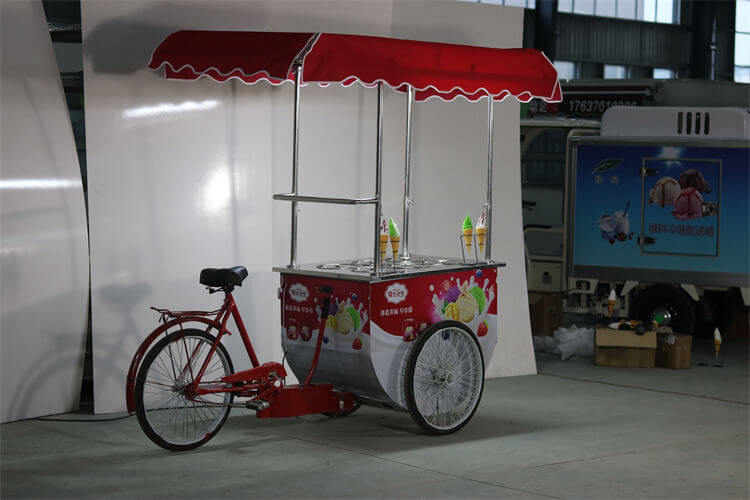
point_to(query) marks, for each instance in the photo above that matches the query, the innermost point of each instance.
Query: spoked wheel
(444, 377)
(170, 413)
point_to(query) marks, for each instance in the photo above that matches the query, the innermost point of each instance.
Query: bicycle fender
(135, 363)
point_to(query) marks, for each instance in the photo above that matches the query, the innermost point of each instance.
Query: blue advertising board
(661, 211)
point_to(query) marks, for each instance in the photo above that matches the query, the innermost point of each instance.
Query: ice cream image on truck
(616, 227)
(683, 196)
(664, 192)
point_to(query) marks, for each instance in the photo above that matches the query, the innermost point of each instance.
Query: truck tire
(671, 298)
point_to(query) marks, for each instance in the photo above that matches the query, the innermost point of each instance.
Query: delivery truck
(658, 209)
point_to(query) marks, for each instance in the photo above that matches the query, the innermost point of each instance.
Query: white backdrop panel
(43, 239)
(151, 232)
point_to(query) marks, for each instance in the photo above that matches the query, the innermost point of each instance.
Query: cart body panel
(372, 325)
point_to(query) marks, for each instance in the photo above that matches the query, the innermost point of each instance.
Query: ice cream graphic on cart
(345, 319)
(465, 302)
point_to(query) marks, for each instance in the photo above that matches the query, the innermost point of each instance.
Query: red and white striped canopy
(434, 69)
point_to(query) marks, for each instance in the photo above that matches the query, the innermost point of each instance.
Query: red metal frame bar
(319, 341)
(259, 381)
(243, 332)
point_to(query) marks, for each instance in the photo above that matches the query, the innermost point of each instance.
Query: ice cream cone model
(383, 239)
(717, 343)
(481, 231)
(611, 300)
(467, 230)
(395, 238)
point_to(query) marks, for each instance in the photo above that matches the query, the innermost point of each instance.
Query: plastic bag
(567, 342)
(581, 345)
(544, 344)
(563, 334)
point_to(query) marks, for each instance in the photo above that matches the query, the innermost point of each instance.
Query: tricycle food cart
(407, 332)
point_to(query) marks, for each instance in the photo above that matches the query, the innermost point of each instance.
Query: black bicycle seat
(228, 276)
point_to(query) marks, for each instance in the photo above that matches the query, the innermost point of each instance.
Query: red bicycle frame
(262, 382)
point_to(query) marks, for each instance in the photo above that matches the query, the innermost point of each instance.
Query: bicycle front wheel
(169, 409)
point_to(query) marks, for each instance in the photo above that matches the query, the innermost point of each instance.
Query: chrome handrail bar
(324, 199)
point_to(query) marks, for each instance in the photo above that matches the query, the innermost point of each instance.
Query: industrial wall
(44, 276)
(181, 173)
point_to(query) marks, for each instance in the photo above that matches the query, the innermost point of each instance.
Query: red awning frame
(441, 70)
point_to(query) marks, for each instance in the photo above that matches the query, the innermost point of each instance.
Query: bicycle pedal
(257, 404)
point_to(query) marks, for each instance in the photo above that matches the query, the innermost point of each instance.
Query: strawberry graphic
(357, 344)
(482, 330)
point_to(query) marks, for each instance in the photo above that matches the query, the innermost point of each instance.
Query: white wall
(164, 168)
(43, 239)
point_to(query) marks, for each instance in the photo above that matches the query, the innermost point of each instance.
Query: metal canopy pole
(377, 263)
(295, 165)
(488, 203)
(407, 171)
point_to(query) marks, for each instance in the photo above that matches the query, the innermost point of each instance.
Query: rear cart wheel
(444, 377)
(170, 413)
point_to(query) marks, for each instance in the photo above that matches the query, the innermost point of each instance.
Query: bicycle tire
(166, 397)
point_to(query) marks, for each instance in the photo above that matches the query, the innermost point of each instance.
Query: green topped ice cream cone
(468, 230)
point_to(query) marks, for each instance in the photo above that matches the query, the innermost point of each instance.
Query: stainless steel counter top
(362, 269)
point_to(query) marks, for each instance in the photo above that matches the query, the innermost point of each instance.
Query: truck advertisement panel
(661, 211)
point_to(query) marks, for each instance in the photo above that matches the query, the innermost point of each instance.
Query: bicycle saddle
(228, 276)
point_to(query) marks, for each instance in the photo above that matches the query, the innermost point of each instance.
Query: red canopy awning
(433, 69)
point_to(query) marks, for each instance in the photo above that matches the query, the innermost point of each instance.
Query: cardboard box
(545, 310)
(673, 350)
(624, 348)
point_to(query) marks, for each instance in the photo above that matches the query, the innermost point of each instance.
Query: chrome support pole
(488, 203)
(378, 264)
(295, 166)
(407, 171)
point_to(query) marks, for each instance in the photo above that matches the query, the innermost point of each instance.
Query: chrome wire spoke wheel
(444, 377)
(170, 408)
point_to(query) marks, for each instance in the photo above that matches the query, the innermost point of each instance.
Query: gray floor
(573, 431)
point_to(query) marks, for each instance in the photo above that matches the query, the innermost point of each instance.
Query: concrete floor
(573, 431)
